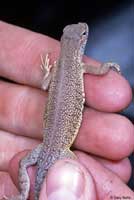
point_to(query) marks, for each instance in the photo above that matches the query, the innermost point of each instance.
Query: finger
(75, 181)
(21, 109)
(105, 180)
(10, 145)
(21, 112)
(108, 93)
(20, 61)
(19, 143)
(105, 134)
(108, 185)
(68, 178)
(7, 188)
(20, 54)
(121, 168)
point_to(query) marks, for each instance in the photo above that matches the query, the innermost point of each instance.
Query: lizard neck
(72, 49)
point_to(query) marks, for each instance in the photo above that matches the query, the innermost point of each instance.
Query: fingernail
(65, 180)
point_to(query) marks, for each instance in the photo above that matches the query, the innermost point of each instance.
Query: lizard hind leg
(102, 69)
(68, 154)
(24, 182)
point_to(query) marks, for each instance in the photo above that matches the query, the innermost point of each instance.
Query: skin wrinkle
(25, 102)
(3, 158)
(4, 184)
(17, 103)
(31, 58)
(121, 167)
(22, 107)
(14, 146)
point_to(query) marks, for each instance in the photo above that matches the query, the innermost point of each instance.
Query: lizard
(63, 114)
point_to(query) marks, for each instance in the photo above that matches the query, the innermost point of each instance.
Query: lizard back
(63, 114)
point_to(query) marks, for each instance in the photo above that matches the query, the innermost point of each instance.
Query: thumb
(68, 179)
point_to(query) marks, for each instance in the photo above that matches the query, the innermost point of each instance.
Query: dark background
(111, 24)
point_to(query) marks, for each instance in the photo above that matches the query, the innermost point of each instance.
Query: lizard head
(76, 33)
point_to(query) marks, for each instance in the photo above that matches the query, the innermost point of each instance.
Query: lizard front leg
(24, 182)
(102, 69)
(46, 68)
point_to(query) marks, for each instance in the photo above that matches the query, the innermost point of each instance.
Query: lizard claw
(114, 66)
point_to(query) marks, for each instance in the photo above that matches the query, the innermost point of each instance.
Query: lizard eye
(84, 33)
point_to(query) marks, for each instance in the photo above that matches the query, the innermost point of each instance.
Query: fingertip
(123, 138)
(113, 90)
(106, 181)
(121, 167)
(98, 127)
(68, 178)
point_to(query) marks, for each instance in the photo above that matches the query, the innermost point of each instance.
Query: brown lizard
(63, 114)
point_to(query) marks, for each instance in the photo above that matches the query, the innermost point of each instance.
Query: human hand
(105, 139)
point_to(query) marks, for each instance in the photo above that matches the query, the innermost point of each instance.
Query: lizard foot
(46, 68)
(102, 69)
(111, 65)
(45, 65)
